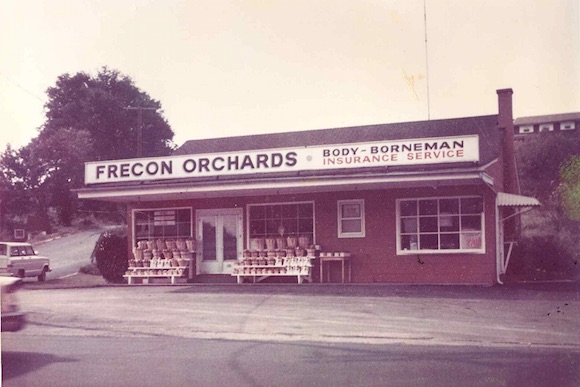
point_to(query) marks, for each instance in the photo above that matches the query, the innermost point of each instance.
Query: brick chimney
(506, 127)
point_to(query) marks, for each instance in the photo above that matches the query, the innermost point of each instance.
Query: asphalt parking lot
(541, 314)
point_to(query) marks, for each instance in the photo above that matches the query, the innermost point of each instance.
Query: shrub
(111, 255)
(545, 257)
(91, 269)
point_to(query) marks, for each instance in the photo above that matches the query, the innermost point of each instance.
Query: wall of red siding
(374, 257)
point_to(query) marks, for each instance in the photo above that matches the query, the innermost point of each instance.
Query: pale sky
(234, 67)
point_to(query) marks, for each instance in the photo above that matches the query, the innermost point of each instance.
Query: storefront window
(440, 224)
(284, 219)
(351, 218)
(162, 224)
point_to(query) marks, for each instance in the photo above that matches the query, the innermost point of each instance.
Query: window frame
(568, 125)
(134, 211)
(526, 129)
(340, 218)
(546, 127)
(249, 234)
(403, 252)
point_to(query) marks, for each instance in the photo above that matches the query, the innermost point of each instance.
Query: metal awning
(512, 200)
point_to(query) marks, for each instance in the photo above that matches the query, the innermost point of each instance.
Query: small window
(19, 233)
(524, 129)
(546, 127)
(568, 126)
(351, 218)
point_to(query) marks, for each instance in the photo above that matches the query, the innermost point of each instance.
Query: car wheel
(42, 276)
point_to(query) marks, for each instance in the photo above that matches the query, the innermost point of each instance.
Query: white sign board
(327, 157)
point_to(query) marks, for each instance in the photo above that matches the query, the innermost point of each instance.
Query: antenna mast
(426, 60)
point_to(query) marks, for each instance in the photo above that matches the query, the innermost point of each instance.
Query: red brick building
(416, 202)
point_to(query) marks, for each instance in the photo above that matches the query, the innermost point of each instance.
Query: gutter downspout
(498, 244)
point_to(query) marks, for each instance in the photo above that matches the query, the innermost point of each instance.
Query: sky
(228, 68)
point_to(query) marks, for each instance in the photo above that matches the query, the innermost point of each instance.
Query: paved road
(174, 361)
(69, 253)
(499, 316)
(323, 335)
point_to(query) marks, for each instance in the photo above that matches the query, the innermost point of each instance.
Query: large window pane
(448, 223)
(449, 241)
(471, 223)
(351, 210)
(409, 225)
(289, 211)
(428, 207)
(449, 206)
(428, 224)
(409, 242)
(351, 226)
(428, 242)
(471, 206)
(408, 208)
(305, 210)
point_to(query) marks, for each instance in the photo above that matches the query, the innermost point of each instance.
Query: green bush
(111, 255)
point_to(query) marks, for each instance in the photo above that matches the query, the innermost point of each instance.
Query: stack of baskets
(163, 253)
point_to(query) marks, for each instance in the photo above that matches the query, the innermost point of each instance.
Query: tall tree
(86, 119)
(570, 187)
(99, 105)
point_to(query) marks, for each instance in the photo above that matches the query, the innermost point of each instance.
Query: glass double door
(219, 239)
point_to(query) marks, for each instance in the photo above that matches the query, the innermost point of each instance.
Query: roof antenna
(426, 60)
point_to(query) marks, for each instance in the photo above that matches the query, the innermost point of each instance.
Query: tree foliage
(98, 105)
(570, 187)
(549, 170)
(86, 120)
(539, 160)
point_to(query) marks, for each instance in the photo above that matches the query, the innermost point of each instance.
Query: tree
(570, 187)
(539, 161)
(21, 177)
(86, 120)
(98, 105)
(549, 170)
(61, 155)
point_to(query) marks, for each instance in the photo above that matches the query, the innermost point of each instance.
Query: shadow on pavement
(15, 364)
(570, 290)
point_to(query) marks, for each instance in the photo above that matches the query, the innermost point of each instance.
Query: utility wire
(22, 88)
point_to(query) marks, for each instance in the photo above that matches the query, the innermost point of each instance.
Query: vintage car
(13, 319)
(19, 259)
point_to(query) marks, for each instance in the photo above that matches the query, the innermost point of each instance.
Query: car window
(3, 249)
(28, 250)
(14, 251)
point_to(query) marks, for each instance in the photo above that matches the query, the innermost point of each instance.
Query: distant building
(549, 123)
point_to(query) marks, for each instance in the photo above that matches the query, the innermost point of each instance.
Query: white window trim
(546, 128)
(571, 124)
(400, 251)
(525, 129)
(360, 234)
